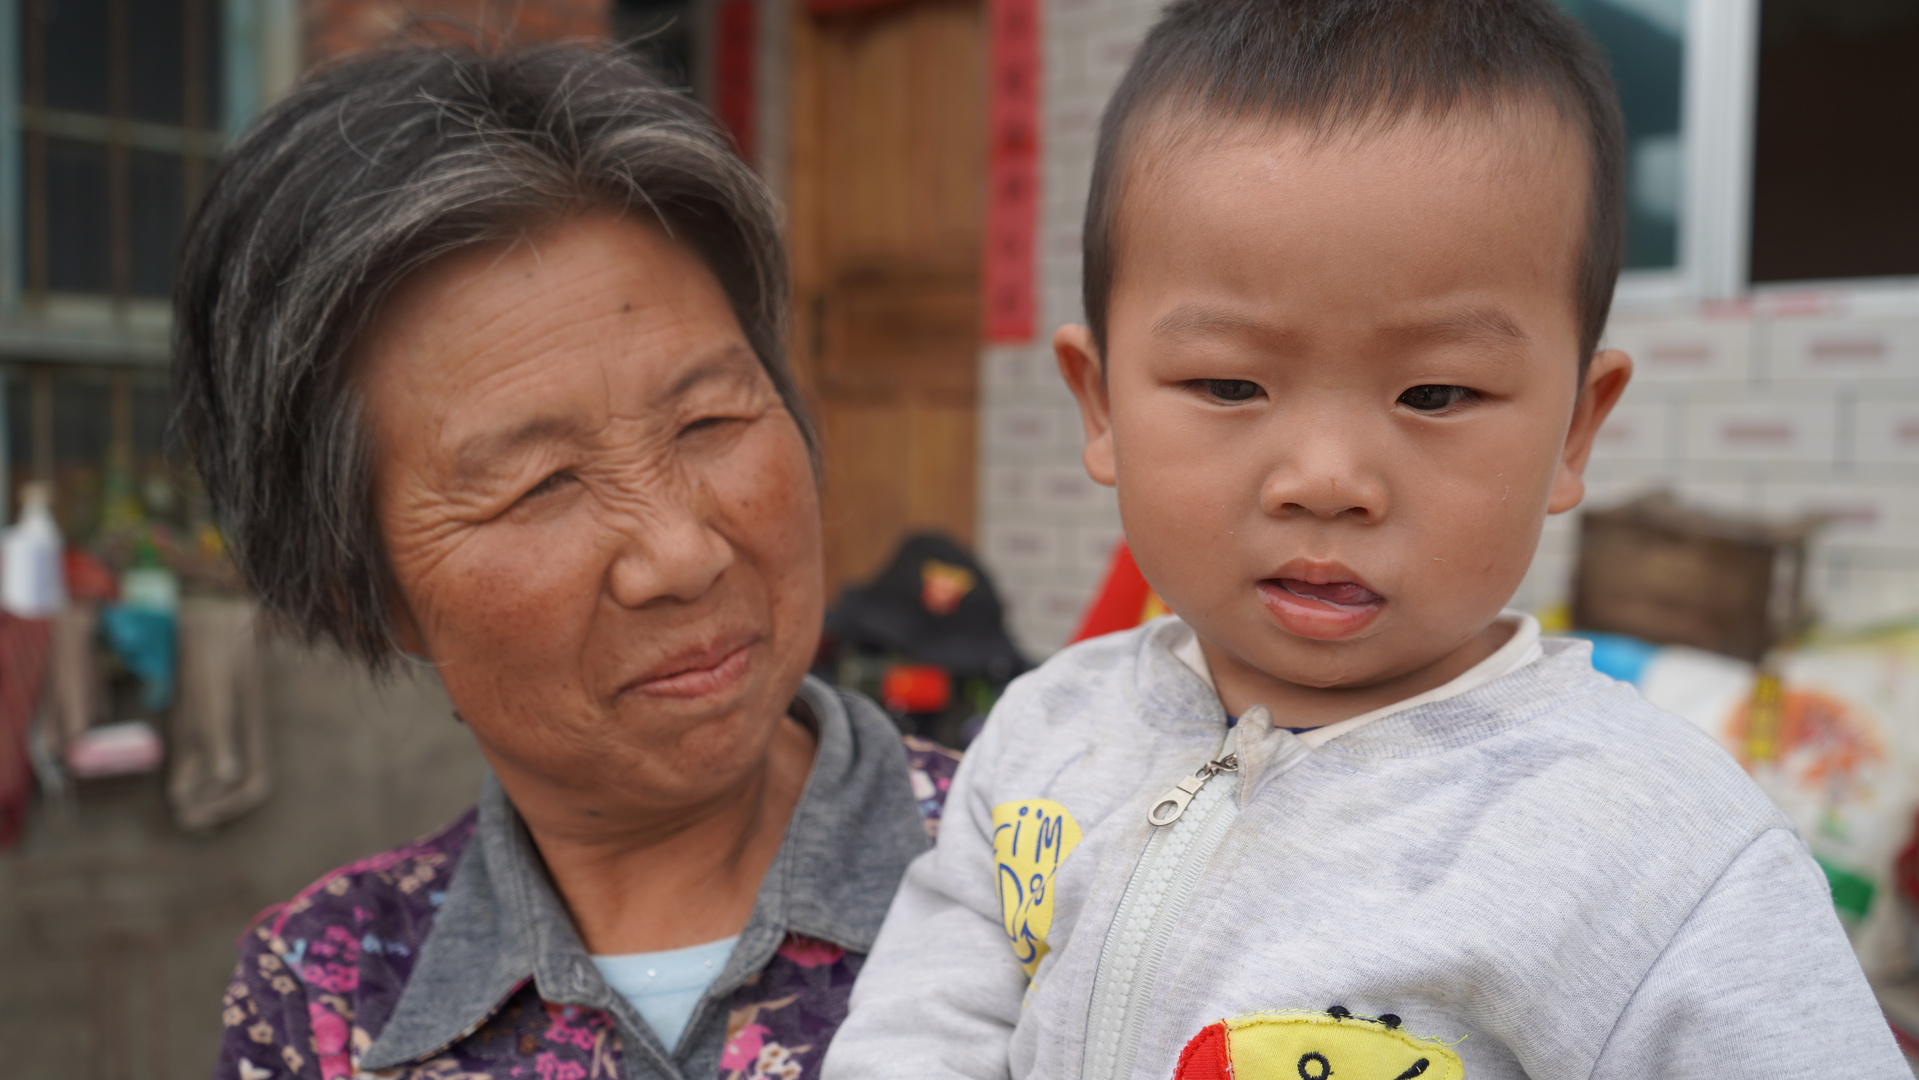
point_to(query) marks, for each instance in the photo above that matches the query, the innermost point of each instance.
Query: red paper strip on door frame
(1012, 170)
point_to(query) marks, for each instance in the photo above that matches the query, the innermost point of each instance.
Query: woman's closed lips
(706, 669)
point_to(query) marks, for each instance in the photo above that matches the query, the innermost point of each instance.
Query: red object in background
(1012, 170)
(88, 578)
(23, 669)
(734, 85)
(1123, 601)
(1905, 868)
(916, 688)
(841, 7)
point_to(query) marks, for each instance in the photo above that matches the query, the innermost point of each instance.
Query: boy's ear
(1079, 365)
(1606, 379)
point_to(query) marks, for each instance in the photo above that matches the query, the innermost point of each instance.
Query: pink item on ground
(116, 750)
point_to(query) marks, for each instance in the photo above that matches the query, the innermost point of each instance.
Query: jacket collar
(1538, 689)
(1178, 699)
(1172, 695)
(854, 830)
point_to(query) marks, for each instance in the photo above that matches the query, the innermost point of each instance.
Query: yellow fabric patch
(1031, 838)
(1319, 1046)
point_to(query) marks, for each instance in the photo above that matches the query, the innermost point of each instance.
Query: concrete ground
(117, 930)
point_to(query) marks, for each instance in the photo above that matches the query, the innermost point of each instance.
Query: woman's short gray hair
(363, 175)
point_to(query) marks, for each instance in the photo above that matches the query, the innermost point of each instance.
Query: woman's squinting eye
(1434, 398)
(552, 482)
(704, 423)
(1231, 389)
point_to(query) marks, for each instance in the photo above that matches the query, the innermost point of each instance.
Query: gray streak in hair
(364, 174)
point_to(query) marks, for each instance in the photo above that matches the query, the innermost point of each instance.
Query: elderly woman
(480, 357)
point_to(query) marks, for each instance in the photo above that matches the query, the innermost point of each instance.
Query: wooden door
(886, 202)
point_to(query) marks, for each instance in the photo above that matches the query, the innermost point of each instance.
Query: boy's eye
(1433, 398)
(1231, 389)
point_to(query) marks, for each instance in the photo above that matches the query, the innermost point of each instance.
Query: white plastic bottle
(33, 583)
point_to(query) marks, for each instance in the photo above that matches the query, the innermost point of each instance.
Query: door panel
(886, 209)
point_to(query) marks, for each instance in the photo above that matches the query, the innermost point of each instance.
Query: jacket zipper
(1189, 821)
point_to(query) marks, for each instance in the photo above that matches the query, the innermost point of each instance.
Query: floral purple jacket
(451, 959)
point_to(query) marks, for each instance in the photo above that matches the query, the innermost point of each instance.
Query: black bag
(934, 604)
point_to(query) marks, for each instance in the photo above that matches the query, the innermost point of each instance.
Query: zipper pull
(1172, 804)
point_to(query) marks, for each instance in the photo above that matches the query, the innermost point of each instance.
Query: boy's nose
(1327, 482)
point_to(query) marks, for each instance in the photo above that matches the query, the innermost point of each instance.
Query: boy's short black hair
(1325, 63)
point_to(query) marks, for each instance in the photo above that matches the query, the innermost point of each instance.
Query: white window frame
(1715, 122)
(1717, 119)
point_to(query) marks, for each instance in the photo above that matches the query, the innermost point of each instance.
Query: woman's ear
(1606, 379)
(1085, 375)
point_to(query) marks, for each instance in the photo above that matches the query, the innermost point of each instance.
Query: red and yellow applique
(1314, 1046)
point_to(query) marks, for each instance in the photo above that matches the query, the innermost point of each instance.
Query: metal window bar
(34, 56)
(119, 191)
(195, 143)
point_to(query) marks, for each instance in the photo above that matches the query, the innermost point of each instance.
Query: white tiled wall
(1801, 404)
(1781, 405)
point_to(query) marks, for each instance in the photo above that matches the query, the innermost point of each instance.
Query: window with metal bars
(119, 124)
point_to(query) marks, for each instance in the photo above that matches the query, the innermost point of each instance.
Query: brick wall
(336, 27)
(1778, 405)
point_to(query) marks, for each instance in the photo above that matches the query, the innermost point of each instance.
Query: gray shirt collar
(856, 827)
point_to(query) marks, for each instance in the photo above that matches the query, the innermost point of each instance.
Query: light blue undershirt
(664, 987)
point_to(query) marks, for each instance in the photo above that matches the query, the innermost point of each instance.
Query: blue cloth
(664, 987)
(144, 642)
(1624, 658)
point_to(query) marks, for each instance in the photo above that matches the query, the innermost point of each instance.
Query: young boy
(1347, 264)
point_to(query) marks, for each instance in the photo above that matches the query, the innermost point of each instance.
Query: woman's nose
(668, 551)
(1328, 475)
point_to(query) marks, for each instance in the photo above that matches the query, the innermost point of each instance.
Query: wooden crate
(1677, 576)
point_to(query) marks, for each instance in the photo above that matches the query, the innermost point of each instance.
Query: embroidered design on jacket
(1314, 1046)
(1031, 837)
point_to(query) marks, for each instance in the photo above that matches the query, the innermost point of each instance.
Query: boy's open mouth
(1339, 594)
(1323, 610)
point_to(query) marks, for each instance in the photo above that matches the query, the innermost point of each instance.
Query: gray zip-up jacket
(1543, 877)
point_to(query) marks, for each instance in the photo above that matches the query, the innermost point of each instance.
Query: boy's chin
(1371, 657)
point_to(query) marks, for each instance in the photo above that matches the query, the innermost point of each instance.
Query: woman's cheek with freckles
(507, 576)
(767, 492)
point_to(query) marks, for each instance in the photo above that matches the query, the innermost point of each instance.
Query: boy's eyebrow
(1480, 322)
(1194, 319)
